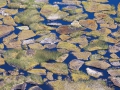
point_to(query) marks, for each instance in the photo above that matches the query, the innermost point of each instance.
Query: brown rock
(91, 24)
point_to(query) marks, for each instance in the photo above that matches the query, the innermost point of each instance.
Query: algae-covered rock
(72, 2)
(95, 6)
(36, 46)
(23, 17)
(75, 64)
(108, 39)
(79, 16)
(68, 46)
(62, 58)
(49, 9)
(3, 3)
(96, 57)
(82, 55)
(80, 85)
(57, 15)
(12, 81)
(37, 71)
(96, 45)
(40, 27)
(20, 59)
(80, 40)
(57, 68)
(72, 9)
(34, 79)
(79, 75)
(94, 73)
(91, 24)
(98, 64)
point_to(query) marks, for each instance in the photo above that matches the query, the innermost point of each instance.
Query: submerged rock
(98, 64)
(23, 17)
(114, 72)
(8, 20)
(62, 58)
(57, 15)
(82, 55)
(91, 24)
(48, 39)
(50, 46)
(116, 81)
(49, 76)
(64, 29)
(3, 3)
(5, 30)
(96, 45)
(2, 61)
(29, 41)
(36, 46)
(68, 46)
(22, 35)
(75, 64)
(47, 10)
(57, 68)
(95, 6)
(80, 85)
(79, 75)
(37, 71)
(79, 16)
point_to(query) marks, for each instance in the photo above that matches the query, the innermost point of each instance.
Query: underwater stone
(98, 64)
(75, 64)
(96, 45)
(62, 58)
(95, 7)
(68, 46)
(37, 71)
(5, 30)
(116, 81)
(22, 35)
(114, 72)
(89, 23)
(82, 55)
